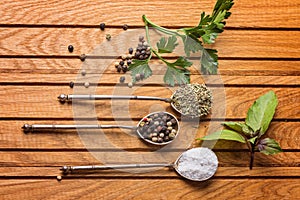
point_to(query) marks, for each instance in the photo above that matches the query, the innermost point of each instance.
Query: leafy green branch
(193, 39)
(250, 132)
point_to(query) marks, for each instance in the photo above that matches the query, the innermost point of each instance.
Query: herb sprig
(257, 122)
(207, 30)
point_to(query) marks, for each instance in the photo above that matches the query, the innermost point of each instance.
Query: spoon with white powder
(197, 164)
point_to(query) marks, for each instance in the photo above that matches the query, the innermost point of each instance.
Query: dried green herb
(258, 119)
(207, 30)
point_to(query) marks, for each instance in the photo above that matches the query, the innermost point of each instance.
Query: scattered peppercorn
(83, 72)
(137, 77)
(108, 37)
(82, 57)
(122, 79)
(59, 178)
(130, 50)
(86, 84)
(102, 26)
(70, 48)
(71, 84)
(125, 27)
(130, 84)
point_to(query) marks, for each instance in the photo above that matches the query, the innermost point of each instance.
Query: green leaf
(191, 45)
(165, 46)
(175, 75)
(261, 112)
(225, 135)
(252, 140)
(239, 127)
(209, 61)
(182, 62)
(269, 146)
(139, 67)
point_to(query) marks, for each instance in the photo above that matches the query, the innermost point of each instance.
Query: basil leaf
(261, 112)
(224, 135)
(269, 146)
(239, 127)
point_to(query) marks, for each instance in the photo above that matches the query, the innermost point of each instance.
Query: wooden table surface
(259, 51)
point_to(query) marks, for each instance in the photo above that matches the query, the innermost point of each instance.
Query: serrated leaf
(269, 146)
(175, 75)
(167, 46)
(261, 112)
(139, 67)
(182, 62)
(191, 45)
(225, 135)
(209, 61)
(239, 127)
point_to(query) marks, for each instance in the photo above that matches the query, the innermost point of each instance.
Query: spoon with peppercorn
(158, 128)
(191, 100)
(196, 164)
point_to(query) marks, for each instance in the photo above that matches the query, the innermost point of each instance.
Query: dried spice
(194, 100)
(70, 48)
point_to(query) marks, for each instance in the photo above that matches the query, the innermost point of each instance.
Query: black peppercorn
(124, 68)
(141, 38)
(71, 84)
(121, 62)
(125, 27)
(119, 69)
(130, 50)
(70, 48)
(122, 79)
(82, 57)
(102, 26)
(129, 62)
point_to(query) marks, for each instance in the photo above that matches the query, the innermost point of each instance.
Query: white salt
(197, 164)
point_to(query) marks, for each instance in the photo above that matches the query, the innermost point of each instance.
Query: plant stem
(164, 30)
(252, 156)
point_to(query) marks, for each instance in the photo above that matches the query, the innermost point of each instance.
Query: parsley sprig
(193, 39)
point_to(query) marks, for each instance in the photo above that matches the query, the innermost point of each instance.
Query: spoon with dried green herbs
(192, 100)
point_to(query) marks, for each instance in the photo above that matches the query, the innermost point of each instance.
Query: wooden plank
(232, 43)
(233, 172)
(263, 14)
(41, 102)
(154, 189)
(73, 66)
(58, 159)
(113, 79)
(12, 137)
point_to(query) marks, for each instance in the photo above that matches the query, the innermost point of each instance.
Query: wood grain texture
(231, 43)
(245, 13)
(114, 156)
(12, 137)
(154, 189)
(41, 102)
(229, 172)
(73, 66)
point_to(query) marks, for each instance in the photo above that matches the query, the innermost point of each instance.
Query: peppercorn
(70, 48)
(169, 123)
(160, 140)
(129, 62)
(171, 135)
(141, 38)
(82, 57)
(108, 37)
(83, 72)
(116, 64)
(119, 68)
(71, 84)
(142, 76)
(130, 50)
(86, 84)
(125, 27)
(166, 138)
(130, 84)
(161, 135)
(124, 57)
(122, 79)
(137, 78)
(121, 62)
(124, 68)
(59, 178)
(102, 26)
(154, 139)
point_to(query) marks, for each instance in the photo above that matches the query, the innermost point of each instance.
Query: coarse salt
(197, 164)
